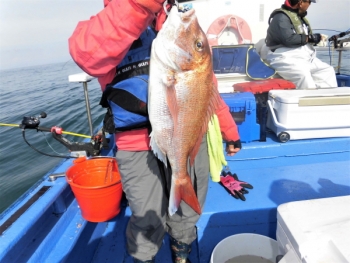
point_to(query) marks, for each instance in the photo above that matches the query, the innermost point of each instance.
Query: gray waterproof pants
(146, 186)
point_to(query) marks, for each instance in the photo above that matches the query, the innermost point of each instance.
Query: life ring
(236, 23)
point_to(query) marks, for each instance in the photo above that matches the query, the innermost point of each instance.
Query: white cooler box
(314, 231)
(313, 113)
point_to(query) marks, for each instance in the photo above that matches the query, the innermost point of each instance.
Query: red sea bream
(182, 98)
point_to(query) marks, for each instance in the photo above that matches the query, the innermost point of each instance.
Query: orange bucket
(97, 187)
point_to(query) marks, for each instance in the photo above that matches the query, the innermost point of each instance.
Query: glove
(236, 144)
(234, 186)
(153, 5)
(315, 38)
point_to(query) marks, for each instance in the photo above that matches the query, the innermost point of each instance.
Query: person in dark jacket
(291, 47)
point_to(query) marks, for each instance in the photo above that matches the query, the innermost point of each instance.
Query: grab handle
(275, 121)
(109, 171)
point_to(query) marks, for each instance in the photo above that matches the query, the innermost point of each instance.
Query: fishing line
(66, 63)
(70, 91)
(330, 55)
(46, 154)
(45, 136)
(329, 42)
(326, 29)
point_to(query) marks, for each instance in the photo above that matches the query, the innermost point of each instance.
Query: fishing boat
(46, 223)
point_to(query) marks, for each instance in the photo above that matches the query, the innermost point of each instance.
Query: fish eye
(199, 44)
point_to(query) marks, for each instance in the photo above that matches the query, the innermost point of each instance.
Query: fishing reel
(336, 41)
(32, 122)
(92, 148)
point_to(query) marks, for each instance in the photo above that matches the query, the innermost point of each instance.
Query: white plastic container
(314, 231)
(245, 245)
(226, 81)
(314, 113)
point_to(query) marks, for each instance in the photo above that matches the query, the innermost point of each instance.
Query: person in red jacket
(98, 46)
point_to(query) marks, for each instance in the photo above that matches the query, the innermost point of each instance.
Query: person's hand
(234, 186)
(233, 147)
(314, 38)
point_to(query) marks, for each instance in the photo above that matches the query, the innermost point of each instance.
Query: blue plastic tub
(243, 110)
(343, 80)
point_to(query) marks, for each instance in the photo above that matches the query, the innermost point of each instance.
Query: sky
(36, 32)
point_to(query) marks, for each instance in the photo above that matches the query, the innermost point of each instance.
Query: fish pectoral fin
(182, 189)
(172, 103)
(157, 151)
(197, 145)
(214, 104)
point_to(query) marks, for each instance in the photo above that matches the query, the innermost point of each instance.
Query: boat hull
(52, 228)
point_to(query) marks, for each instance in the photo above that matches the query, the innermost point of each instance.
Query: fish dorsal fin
(213, 105)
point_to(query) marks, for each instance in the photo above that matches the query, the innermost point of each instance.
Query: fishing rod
(325, 29)
(335, 38)
(92, 148)
(63, 132)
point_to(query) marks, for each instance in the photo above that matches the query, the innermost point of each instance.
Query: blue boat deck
(52, 229)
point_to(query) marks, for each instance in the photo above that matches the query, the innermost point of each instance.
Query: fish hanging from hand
(181, 99)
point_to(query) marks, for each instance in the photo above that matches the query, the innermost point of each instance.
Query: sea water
(31, 90)
(28, 92)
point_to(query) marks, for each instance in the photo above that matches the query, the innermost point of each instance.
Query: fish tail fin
(182, 189)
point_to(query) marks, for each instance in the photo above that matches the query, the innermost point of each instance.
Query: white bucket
(245, 245)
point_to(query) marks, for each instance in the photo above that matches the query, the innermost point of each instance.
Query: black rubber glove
(315, 38)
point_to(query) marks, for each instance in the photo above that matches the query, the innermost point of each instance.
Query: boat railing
(84, 78)
(340, 51)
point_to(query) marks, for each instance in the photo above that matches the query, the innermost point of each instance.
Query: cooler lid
(264, 86)
(319, 229)
(312, 97)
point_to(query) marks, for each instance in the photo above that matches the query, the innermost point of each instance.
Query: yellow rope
(64, 132)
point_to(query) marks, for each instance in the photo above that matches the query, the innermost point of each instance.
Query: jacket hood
(289, 8)
(286, 3)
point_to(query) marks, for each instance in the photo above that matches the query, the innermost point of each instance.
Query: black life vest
(126, 96)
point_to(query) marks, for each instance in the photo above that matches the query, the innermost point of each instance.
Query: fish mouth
(187, 16)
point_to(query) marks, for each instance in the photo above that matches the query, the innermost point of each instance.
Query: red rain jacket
(98, 45)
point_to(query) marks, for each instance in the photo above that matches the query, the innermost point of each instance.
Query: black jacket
(281, 33)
